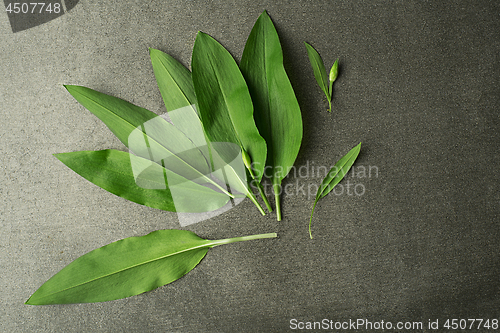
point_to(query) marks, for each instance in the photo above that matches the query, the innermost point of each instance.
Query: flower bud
(246, 159)
(334, 71)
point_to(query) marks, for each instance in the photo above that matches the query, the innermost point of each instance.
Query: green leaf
(128, 267)
(318, 69)
(225, 106)
(142, 181)
(334, 176)
(277, 112)
(176, 88)
(146, 134)
(224, 102)
(174, 81)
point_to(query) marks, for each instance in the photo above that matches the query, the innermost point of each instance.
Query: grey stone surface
(418, 85)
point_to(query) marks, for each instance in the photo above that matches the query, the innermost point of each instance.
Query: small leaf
(277, 112)
(142, 181)
(318, 69)
(128, 267)
(334, 176)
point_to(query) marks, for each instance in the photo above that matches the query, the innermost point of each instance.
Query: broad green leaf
(146, 134)
(334, 176)
(142, 181)
(128, 267)
(277, 112)
(319, 69)
(224, 102)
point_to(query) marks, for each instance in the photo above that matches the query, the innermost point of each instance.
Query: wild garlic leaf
(224, 103)
(129, 267)
(142, 181)
(176, 88)
(146, 134)
(334, 176)
(174, 81)
(319, 69)
(276, 110)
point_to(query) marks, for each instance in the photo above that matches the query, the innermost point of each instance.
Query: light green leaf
(174, 81)
(128, 267)
(176, 88)
(142, 181)
(146, 134)
(277, 112)
(224, 103)
(334, 176)
(318, 69)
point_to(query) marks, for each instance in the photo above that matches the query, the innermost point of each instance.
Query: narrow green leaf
(319, 69)
(277, 112)
(174, 80)
(128, 267)
(176, 88)
(334, 176)
(142, 181)
(224, 102)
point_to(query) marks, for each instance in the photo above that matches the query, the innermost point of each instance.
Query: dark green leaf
(142, 181)
(334, 176)
(224, 103)
(318, 69)
(128, 267)
(277, 112)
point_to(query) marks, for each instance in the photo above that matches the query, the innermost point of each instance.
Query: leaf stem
(277, 190)
(254, 200)
(310, 220)
(263, 196)
(242, 239)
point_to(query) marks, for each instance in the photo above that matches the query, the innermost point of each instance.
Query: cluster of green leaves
(217, 107)
(251, 106)
(219, 113)
(325, 82)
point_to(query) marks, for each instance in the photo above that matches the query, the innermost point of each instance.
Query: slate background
(419, 86)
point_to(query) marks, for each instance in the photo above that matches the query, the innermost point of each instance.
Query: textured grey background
(419, 86)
